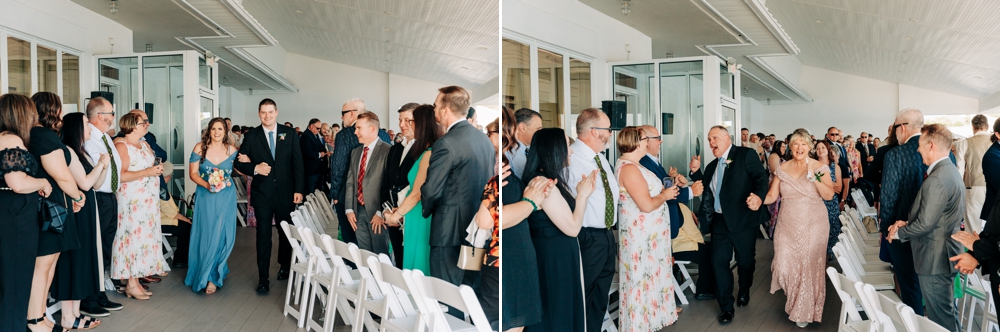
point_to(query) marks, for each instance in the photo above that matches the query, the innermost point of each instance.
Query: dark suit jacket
(372, 182)
(991, 171)
(395, 173)
(985, 250)
(743, 176)
(343, 144)
(676, 220)
(286, 177)
(937, 213)
(311, 147)
(462, 161)
(874, 172)
(865, 150)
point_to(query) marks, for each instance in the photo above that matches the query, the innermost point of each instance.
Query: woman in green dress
(416, 228)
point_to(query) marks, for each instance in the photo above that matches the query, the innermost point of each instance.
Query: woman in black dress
(55, 159)
(19, 192)
(553, 232)
(78, 272)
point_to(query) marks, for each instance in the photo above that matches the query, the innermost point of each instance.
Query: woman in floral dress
(137, 246)
(646, 284)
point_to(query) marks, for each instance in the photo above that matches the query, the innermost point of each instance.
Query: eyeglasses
(142, 123)
(108, 113)
(601, 128)
(864, 136)
(658, 138)
(894, 126)
(344, 112)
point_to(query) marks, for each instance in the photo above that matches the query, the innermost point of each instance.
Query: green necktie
(609, 204)
(114, 168)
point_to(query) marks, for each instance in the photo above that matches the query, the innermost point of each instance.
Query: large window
(47, 69)
(517, 78)
(18, 66)
(34, 65)
(546, 78)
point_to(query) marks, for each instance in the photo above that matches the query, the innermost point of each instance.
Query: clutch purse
(51, 215)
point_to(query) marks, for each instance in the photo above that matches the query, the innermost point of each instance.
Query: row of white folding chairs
(977, 294)
(369, 289)
(884, 313)
(862, 204)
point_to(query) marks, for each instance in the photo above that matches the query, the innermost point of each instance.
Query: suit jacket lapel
(733, 155)
(267, 145)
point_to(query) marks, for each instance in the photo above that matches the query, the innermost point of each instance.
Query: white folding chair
(917, 323)
(853, 255)
(242, 202)
(881, 319)
(850, 318)
(428, 291)
(688, 283)
(881, 282)
(299, 274)
(976, 295)
(401, 315)
(344, 297)
(321, 281)
(371, 298)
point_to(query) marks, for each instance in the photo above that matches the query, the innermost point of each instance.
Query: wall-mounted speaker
(616, 111)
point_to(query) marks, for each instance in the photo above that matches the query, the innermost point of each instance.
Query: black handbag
(51, 215)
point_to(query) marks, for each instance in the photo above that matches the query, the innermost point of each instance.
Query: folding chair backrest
(914, 322)
(323, 264)
(365, 254)
(343, 272)
(462, 298)
(881, 321)
(292, 233)
(348, 252)
(888, 306)
(396, 290)
(846, 292)
(306, 236)
(845, 263)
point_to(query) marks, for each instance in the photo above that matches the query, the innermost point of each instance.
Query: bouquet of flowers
(218, 179)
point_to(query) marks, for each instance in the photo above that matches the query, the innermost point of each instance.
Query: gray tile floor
(234, 307)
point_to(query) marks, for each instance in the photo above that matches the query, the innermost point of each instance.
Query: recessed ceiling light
(913, 19)
(388, 13)
(909, 38)
(818, 21)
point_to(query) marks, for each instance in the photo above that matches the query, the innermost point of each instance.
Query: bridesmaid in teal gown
(416, 228)
(213, 230)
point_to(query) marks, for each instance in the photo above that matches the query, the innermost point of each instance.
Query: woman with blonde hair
(800, 235)
(646, 280)
(137, 251)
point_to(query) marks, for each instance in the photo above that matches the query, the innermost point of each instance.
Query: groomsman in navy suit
(706, 278)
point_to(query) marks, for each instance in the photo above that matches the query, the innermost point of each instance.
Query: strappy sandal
(37, 321)
(89, 323)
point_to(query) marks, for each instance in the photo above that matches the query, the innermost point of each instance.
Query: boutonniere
(281, 137)
(818, 176)
(728, 161)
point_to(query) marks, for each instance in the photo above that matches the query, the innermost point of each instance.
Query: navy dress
(833, 212)
(213, 228)
(18, 240)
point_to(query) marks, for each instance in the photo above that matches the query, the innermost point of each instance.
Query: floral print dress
(137, 245)
(646, 284)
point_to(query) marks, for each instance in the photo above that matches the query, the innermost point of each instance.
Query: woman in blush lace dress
(801, 234)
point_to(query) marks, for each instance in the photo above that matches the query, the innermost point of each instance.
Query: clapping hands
(754, 202)
(539, 189)
(586, 185)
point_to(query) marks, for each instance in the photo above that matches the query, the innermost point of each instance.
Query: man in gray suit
(937, 213)
(364, 184)
(461, 163)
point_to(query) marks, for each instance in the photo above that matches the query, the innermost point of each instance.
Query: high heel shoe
(136, 293)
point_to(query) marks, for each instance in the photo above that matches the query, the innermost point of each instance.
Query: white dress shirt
(518, 156)
(453, 124)
(95, 147)
(407, 144)
(931, 167)
(368, 160)
(582, 163)
(717, 177)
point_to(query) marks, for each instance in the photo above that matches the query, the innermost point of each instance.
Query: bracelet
(77, 200)
(534, 207)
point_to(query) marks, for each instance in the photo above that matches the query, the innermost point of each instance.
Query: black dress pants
(599, 253)
(183, 233)
(706, 272)
(724, 244)
(906, 276)
(396, 238)
(107, 211)
(264, 214)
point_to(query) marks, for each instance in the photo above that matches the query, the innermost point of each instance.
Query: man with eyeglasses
(528, 122)
(867, 151)
(101, 115)
(343, 144)
(833, 137)
(397, 167)
(598, 248)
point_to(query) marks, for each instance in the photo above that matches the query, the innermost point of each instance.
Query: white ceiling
(444, 41)
(950, 41)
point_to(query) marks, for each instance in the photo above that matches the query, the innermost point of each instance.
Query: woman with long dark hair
(79, 273)
(826, 154)
(55, 158)
(774, 161)
(20, 188)
(554, 227)
(214, 233)
(417, 228)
